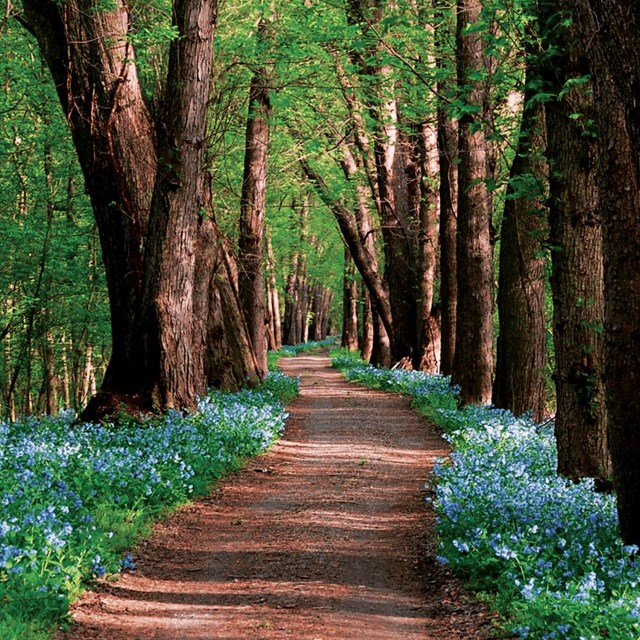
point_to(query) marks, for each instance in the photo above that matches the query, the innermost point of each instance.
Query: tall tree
(448, 189)
(94, 71)
(252, 207)
(273, 301)
(521, 349)
(174, 356)
(144, 177)
(398, 234)
(349, 304)
(473, 364)
(612, 28)
(576, 251)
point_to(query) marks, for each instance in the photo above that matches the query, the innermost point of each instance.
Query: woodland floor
(326, 537)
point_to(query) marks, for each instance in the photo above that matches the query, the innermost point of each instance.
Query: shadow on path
(326, 537)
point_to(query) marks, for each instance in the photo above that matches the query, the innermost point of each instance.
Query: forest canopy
(453, 187)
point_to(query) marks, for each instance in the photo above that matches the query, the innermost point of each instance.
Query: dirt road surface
(326, 537)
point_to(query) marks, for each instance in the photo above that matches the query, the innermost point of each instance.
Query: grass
(544, 551)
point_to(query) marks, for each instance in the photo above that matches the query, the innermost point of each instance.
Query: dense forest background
(453, 187)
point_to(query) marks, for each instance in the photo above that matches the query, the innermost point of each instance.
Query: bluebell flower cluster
(60, 484)
(547, 549)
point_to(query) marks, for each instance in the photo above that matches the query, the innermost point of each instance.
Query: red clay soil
(326, 537)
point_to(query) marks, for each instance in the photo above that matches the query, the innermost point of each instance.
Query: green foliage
(53, 302)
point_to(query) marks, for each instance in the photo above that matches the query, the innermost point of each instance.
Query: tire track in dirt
(326, 537)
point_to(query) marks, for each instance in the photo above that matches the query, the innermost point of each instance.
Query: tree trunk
(615, 58)
(349, 304)
(399, 240)
(398, 235)
(381, 351)
(273, 299)
(50, 379)
(428, 214)
(291, 304)
(320, 310)
(66, 378)
(448, 156)
(252, 210)
(367, 337)
(364, 259)
(229, 358)
(149, 258)
(92, 62)
(173, 357)
(302, 310)
(521, 351)
(577, 268)
(473, 362)
(296, 295)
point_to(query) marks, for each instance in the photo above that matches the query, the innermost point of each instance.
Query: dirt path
(327, 537)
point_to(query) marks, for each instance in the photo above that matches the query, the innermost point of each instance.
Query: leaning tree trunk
(577, 268)
(92, 61)
(252, 210)
(616, 68)
(229, 358)
(358, 246)
(149, 259)
(473, 362)
(521, 350)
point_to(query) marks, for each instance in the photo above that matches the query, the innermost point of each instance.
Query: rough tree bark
(448, 149)
(421, 168)
(448, 191)
(615, 61)
(576, 252)
(147, 213)
(93, 66)
(473, 364)
(349, 304)
(521, 350)
(252, 209)
(174, 359)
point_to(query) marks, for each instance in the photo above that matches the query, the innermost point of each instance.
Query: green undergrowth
(75, 498)
(429, 394)
(545, 552)
(289, 351)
